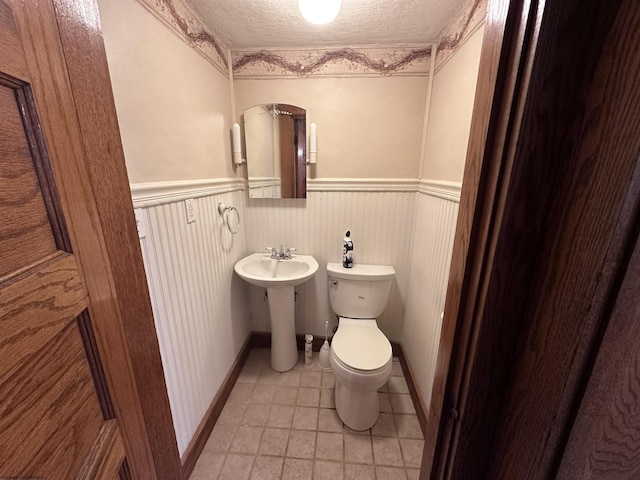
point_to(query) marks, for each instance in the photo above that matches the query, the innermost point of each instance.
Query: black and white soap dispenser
(347, 250)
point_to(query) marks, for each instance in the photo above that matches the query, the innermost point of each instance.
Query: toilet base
(358, 410)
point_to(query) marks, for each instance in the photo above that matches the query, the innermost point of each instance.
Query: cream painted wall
(173, 106)
(367, 127)
(454, 88)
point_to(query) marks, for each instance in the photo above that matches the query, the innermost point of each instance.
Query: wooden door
(57, 420)
(542, 311)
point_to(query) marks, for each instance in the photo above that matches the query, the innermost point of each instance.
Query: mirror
(275, 144)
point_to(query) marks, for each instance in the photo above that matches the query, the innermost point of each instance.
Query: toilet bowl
(360, 356)
(360, 359)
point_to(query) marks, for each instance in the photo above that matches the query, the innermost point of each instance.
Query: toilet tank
(361, 291)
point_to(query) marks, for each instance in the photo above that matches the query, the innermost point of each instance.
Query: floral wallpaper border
(468, 20)
(399, 60)
(337, 62)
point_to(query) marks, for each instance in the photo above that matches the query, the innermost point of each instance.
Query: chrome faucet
(280, 254)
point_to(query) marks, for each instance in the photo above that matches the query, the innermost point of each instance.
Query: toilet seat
(359, 345)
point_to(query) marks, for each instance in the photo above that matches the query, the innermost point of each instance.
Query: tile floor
(284, 426)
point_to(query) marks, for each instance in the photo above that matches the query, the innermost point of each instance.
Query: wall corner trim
(158, 193)
(440, 188)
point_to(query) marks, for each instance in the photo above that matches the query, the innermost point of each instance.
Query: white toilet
(360, 353)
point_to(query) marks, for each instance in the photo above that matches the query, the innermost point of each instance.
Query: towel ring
(223, 211)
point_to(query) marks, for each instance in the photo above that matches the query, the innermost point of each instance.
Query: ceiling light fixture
(319, 11)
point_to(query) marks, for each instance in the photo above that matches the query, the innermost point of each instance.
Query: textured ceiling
(257, 24)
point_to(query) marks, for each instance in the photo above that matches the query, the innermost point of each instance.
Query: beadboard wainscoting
(381, 225)
(198, 303)
(204, 312)
(434, 230)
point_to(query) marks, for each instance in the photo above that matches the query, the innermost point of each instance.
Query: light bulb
(319, 11)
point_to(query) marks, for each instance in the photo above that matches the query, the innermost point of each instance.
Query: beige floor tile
(268, 376)
(295, 469)
(267, 468)
(302, 444)
(328, 380)
(386, 451)
(285, 395)
(384, 426)
(236, 467)
(330, 446)
(241, 392)
(311, 379)
(385, 402)
(411, 452)
(249, 374)
(329, 421)
(328, 470)
(290, 378)
(208, 466)
(397, 385)
(396, 368)
(256, 415)
(347, 431)
(262, 393)
(390, 473)
(413, 474)
(357, 449)
(259, 355)
(359, 472)
(285, 426)
(305, 418)
(308, 397)
(408, 426)
(274, 442)
(328, 398)
(402, 403)
(280, 416)
(231, 414)
(220, 438)
(246, 440)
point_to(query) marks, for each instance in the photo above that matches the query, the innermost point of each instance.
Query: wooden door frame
(128, 345)
(538, 82)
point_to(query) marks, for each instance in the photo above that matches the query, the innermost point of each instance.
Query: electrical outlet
(141, 222)
(191, 210)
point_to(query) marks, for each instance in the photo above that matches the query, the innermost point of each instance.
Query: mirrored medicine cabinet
(275, 140)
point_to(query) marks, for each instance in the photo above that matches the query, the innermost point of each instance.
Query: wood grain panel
(26, 235)
(38, 24)
(562, 215)
(103, 462)
(49, 414)
(12, 60)
(37, 306)
(604, 441)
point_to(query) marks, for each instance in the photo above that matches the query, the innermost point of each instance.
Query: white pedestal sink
(279, 277)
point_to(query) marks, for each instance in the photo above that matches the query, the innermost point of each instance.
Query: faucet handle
(289, 251)
(274, 252)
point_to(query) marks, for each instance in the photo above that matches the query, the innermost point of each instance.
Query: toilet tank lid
(361, 271)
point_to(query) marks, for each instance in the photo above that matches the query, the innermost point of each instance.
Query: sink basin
(279, 278)
(261, 270)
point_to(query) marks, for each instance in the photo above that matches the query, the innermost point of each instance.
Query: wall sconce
(236, 145)
(313, 144)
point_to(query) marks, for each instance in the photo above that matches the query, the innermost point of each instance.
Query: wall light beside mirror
(236, 145)
(313, 144)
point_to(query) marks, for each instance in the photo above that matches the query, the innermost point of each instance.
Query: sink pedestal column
(284, 351)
